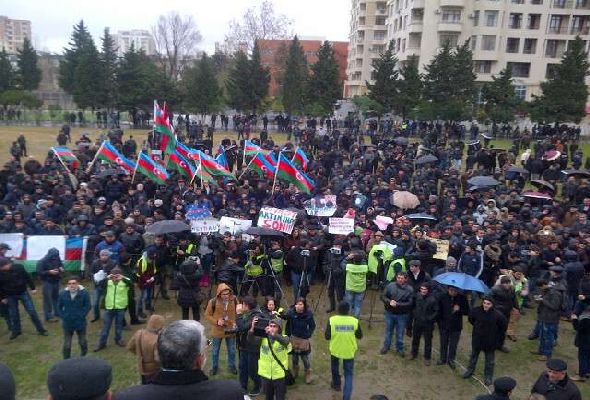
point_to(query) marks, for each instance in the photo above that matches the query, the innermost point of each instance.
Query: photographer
(274, 359)
(273, 266)
(356, 280)
(335, 275)
(254, 276)
(221, 314)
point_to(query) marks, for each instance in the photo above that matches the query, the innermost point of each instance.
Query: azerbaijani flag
(163, 126)
(183, 165)
(186, 151)
(271, 158)
(289, 172)
(251, 149)
(211, 165)
(66, 156)
(300, 158)
(221, 157)
(152, 169)
(205, 176)
(109, 153)
(261, 165)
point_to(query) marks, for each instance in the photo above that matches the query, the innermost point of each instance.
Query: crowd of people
(469, 202)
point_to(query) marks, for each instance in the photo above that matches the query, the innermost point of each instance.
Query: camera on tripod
(305, 253)
(336, 251)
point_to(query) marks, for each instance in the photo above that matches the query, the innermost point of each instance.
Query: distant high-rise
(140, 38)
(13, 33)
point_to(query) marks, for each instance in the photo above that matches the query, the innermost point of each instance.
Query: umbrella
(474, 143)
(476, 188)
(483, 181)
(426, 159)
(167, 226)
(487, 136)
(402, 141)
(111, 172)
(519, 170)
(405, 200)
(582, 173)
(422, 216)
(259, 231)
(537, 195)
(551, 155)
(539, 183)
(462, 281)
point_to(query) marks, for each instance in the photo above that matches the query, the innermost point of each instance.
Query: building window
(491, 18)
(473, 42)
(379, 35)
(551, 71)
(559, 3)
(555, 24)
(517, 1)
(519, 69)
(530, 46)
(537, 2)
(512, 45)
(515, 21)
(520, 91)
(380, 20)
(488, 42)
(448, 39)
(451, 16)
(482, 67)
(476, 18)
(534, 21)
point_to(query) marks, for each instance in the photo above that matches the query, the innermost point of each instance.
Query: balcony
(584, 30)
(415, 27)
(558, 30)
(449, 27)
(418, 4)
(452, 3)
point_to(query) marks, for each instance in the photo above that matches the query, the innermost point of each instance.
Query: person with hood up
(186, 282)
(221, 314)
(450, 266)
(74, 305)
(491, 208)
(143, 344)
(49, 269)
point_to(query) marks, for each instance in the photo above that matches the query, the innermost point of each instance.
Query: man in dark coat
(425, 313)
(73, 304)
(503, 388)
(488, 325)
(182, 347)
(555, 384)
(452, 307)
(49, 269)
(504, 301)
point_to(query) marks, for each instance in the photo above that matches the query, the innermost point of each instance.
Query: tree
(564, 95)
(238, 83)
(109, 60)
(324, 86)
(257, 23)
(293, 84)
(6, 74)
(260, 77)
(385, 88)
(176, 39)
(410, 90)
(500, 98)
(14, 97)
(202, 92)
(29, 74)
(81, 40)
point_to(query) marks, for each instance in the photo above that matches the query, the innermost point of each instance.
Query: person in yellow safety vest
(343, 331)
(356, 280)
(379, 254)
(274, 359)
(184, 250)
(146, 280)
(116, 301)
(254, 272)
(395, 265)
(273, 268)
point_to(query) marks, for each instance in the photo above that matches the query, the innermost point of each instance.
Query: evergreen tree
(565, 93)
(238, 85)
(109, 60)
(260, 77)
(29, 74)
(324, 86)
(6, 73)
(293, 84)
(81, 40)
(385, 88)
(500, 98)
(410, 90)
(202, 92)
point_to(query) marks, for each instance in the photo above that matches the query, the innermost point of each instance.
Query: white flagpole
(136, 165)
(95, 157)
(274, 182)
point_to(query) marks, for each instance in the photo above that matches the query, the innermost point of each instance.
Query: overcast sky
(52, 21)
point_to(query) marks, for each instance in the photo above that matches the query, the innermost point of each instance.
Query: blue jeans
(145, 299)
(14, 315)
(356, 302)
(50, 294)
(230, 342)
(109, 315)
(99, 293)
(548, 335)
(398, 323)
(348, 367)
(249, 369)
(583, 361)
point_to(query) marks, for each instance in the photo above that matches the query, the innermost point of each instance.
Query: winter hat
(79, 378)
(451, 261)
(7, 385)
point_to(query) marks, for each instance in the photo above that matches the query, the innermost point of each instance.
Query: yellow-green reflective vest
(277, 264)
(255, 268)
(116, 297)
(342, 340)
(373, 260)
(268, 367)
(395, 266)
(356, 277)
(142, 264)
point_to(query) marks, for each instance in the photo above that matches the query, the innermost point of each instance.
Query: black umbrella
(582, 173)
(402, 141)
(111, 172)
(519, 170)
(426, 159)
(483, 181)
(422, 216)
(259, 231)
(539, 183)
(167, 226)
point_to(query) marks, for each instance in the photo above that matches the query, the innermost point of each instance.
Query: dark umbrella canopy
(582, 173)
(517, 169)
(402, 141)
(422, 216)
(426, 159)
(259, 231)
(541, 184)
(537, 195)
(111, 172)
(483, 181)
(167, 226)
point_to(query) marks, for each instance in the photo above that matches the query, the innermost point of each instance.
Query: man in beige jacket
(143, 344)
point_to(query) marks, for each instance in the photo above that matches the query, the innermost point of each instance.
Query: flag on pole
(251, 149)
(109, 153)
(163, 126)
(271, 158)
(300, 158)
(221, 157)
(205, 176)
(261, 165)
(289, 172)
(183, 165)
(186, 152)
(66, 156)
(211, 165)
(151, 169)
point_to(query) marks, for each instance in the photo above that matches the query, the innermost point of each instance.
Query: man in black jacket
(13, 288)
(555, 384)
(398, 299)
(504, 301)
(248, 345)
(425, 313)
(49, 270)
(452, 307)
(182, 346)
(503, 388)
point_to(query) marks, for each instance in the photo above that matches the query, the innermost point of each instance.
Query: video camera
(305, 253)
(260, 327)
(336, 251)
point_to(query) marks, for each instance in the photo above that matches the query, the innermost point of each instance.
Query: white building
(13, 33)
(141, 39)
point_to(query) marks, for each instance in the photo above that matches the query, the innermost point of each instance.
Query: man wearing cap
(80, 379)
(503, 388)
(111, 244)
(182, 349)
(116, 301)
(555, 384)
(105, 264)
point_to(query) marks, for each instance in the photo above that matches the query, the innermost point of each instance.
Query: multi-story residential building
(13, 33)
(367, 40)
(141, 39)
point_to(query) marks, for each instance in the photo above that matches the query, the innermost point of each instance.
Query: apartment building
(367, 40)
(140, 38)
(13, 33)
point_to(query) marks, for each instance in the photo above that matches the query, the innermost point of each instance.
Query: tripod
(303, 280)
(275, 283)
(375, 288)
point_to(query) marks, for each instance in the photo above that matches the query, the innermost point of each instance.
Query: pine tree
(202, 92)
(293, 84)
(238, 84)
(410, 90)
(6, 73)
(565, 93)
(81, 39)
(324, 86)
(385, 88)
(260, 77)
(108, 61)
(29, 74)
(500, 98)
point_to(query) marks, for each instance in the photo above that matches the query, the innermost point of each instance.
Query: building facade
(13, 33)
(273, 54)
(527, 36)
(140, 38)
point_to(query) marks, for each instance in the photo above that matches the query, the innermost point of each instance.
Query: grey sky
(52, 21)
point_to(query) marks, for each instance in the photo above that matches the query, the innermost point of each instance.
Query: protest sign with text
(277, 219)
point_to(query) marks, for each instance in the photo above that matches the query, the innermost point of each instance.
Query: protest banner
(321, 206)
(194, 212)
(205, 226)
(16, 243)
(38, 246)
(341, 226)
(234, 225)
(277, 219)
(442, 248)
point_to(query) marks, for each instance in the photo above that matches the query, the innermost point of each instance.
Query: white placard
(277, 219)
(341, 226)
(16, 243)
(38, 246)
(234, 225)
(205, 226)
